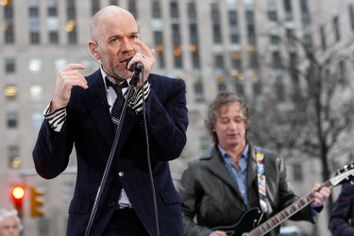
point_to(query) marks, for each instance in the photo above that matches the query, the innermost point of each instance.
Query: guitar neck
(286, 213)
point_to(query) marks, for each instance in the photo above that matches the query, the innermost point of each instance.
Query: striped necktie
(119, 102)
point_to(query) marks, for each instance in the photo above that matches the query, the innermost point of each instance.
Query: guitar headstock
(343, 175)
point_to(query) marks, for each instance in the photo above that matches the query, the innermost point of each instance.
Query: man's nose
(233, 125)
(126, 45)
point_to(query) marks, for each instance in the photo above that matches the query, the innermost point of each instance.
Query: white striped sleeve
(136, 101)
(56, 118)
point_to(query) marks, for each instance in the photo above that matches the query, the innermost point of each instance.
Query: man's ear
(93, 49)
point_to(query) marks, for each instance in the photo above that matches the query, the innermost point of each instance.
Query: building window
(192, 12)
(351, 15)
(174, 9)
(198, 90)
(71, 30)
(36, 92)
(236, 72)
(291, 38)
(33, 12)
(52, 11)
(70, 10)
(234, 35)
(176, 37)
(274, 39)
(35, 65)
(305, 12)
(194, 45)
(8, 24)
(34, 23)
(14, 158)
(95, 6)
(219, 62)
(195, 56)
(279, 88)
(272, 16)
(216, 26)
(251, 28)
(160, 48)
(287, 6)
(34, 38)
(256, 84)
(221, 83)
(53, 29)
(53, 37)
(156, 9)
(253, 59)
(114, 2)
(10, 66)
(177, 52)
(336, 28)
(9, 33)
(178, 57)
(11, 92)
(11, 119)
(70, 27)
(132, 7)
(342, 72)
(295, 75)
(277, 62)
(308, 40)
(8, 11)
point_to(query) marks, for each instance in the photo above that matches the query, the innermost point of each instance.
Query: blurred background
(292, 60)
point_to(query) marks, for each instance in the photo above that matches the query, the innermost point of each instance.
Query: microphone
(137, 67)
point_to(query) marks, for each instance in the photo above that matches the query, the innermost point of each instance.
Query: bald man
(83, 112)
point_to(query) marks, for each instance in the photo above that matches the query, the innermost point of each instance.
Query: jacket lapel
(96, 102)
(251, 168)
(218, 168)
(252, 184)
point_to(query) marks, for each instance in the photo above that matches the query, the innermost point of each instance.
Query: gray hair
(4, 214)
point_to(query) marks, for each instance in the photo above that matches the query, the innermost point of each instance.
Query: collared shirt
(239, 176)
(110, 93)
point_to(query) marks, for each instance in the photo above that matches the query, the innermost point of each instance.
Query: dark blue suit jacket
(90, 129)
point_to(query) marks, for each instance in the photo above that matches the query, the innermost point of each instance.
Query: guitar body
(248, 221)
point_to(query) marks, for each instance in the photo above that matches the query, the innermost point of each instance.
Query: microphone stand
(133, 82)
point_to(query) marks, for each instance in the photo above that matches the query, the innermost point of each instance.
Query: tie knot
(117, 87)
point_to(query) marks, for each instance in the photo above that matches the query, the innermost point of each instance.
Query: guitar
(247, 224)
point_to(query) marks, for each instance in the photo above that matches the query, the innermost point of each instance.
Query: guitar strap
(261, 179)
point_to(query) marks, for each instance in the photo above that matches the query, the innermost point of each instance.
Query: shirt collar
(243, 155)
(104, 75)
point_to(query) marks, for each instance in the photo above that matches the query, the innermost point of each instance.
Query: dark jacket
(341, 222)
(89, 127)
(210, 195)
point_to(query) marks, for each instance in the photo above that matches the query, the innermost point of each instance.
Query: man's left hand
(321, 195)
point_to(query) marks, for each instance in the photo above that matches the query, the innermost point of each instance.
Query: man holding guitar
(233, 183)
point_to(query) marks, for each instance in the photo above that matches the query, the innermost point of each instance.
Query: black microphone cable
(139, 67)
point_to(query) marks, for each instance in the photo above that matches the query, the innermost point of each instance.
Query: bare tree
(319, 115)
